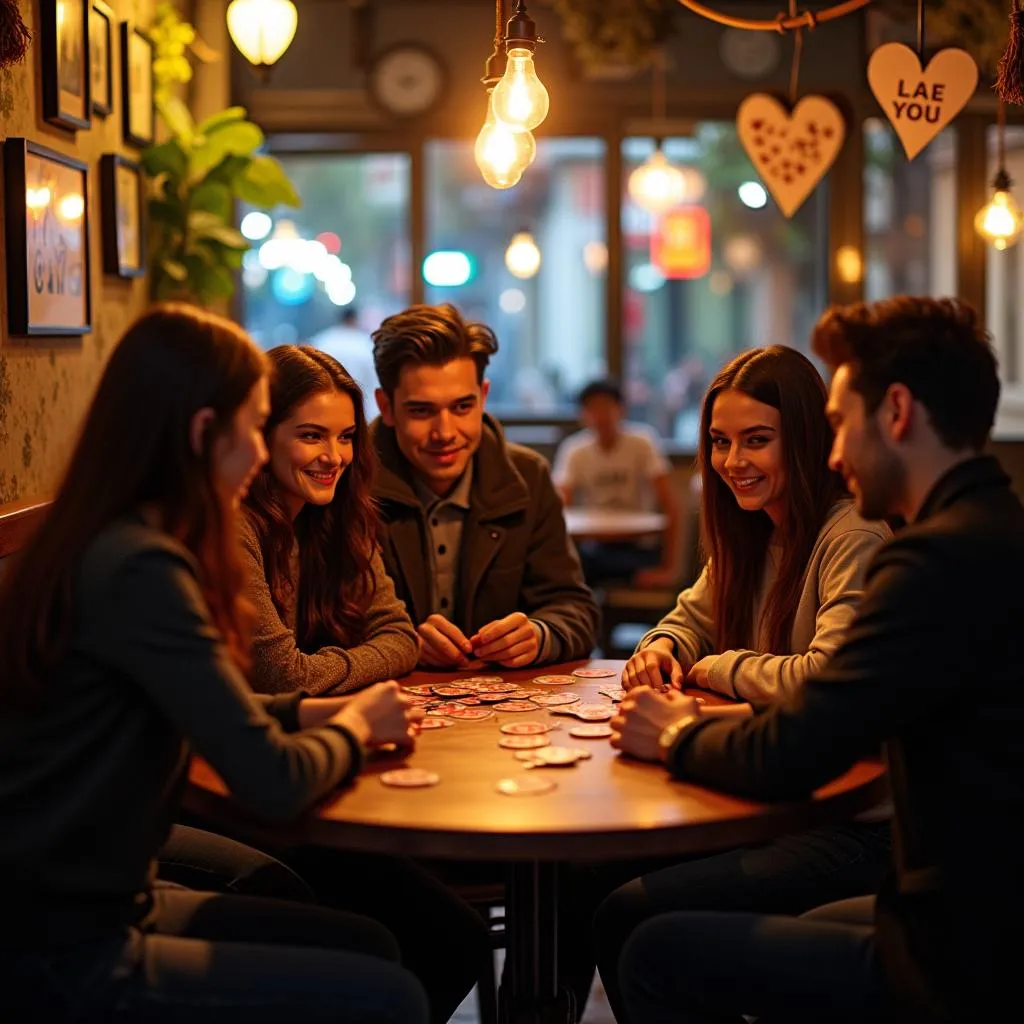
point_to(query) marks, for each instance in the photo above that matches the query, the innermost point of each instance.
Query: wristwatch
(669, 735)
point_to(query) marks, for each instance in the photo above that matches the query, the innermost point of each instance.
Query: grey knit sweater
(389, 648)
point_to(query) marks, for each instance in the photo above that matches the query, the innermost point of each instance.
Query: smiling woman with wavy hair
(328, 620)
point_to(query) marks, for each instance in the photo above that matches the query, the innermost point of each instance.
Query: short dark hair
(434, 335)
(937, 348)
(606, 387)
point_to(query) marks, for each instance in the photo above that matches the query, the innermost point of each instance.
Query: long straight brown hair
(134, 450)
(336, 541)
(736, 540)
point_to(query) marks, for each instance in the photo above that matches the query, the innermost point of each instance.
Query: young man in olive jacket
(931, 667)
(473, 532)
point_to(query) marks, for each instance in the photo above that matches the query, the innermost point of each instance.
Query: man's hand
(642, 718)
(379, 715)
(444, 645)
(658, 577)
(652, 667)
(513, 641)
(699, 674)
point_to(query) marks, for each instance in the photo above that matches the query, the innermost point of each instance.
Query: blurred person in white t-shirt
(616, 465)
(352, 347)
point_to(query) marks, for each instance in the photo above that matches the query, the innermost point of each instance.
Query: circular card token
(410, 778)
(614, 693)
(491, 698)
(515, 705)
(434, 723)
(523, 742)
(482, 681)
(552, 700)
(525, 728)
(591, 731)
(441, 709)
(495, 687)
(553, 680)
(593, 673)
(588, 712)
(468, 714)
(452, 691)
(418, 702)
(469, 702)
(525, 785)
(519, 694)
(420, 691)
(557, 757)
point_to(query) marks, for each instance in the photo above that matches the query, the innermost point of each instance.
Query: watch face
(406, 80)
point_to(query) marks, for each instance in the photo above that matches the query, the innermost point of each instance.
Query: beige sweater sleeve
(768, 677)
(690, 625)
(389, 649)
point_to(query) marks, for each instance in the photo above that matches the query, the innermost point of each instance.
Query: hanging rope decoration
(794, 21)
(14, 34)
(1010, 82)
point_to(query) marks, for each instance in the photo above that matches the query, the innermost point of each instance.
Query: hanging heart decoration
(790, 150)
(921, 103)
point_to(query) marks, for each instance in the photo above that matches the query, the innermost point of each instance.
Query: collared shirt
(446, 518)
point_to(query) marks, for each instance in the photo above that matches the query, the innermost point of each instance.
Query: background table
(612, 524)
(605, 808)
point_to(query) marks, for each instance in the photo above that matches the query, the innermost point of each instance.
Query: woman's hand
(700, 674)
(652, 667)
(379, 715)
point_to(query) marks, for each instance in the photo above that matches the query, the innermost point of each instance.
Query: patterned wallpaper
(46, 384)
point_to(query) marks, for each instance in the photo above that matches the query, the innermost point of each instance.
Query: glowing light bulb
(522, 257)
(262, 29)
(657, 186)
(999, 221)
(502, 154)
(519, 99)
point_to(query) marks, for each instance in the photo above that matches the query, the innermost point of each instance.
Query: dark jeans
(441, 939)
(215, 959)
(711, 968)
(614, 563)
(789, 875)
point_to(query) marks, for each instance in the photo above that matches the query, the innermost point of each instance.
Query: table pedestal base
(530, 993)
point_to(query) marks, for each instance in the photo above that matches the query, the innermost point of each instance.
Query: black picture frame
(48, 273)
(64, 59)
(101, 42)
(124, 236)
(138, 115)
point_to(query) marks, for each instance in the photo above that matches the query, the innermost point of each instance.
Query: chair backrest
(18, 522)
(686, 482)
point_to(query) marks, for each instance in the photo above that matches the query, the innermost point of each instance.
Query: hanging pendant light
(522, 257)
(262, 30)
(520, 99)
(657, 186)
(999, 221)
(502, 154)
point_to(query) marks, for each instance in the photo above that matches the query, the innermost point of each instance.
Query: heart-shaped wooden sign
(791, 151)
(921, 103)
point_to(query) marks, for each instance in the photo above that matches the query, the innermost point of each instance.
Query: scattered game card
(478, 682)
(452, 691)
(615, 693)
(519, 694)
(523, 742)
(490, 698)
(591, 731)
(420, 702)
(470, 701)
(556, 757)
(525, 785)
(469, 714)
(434, 723)
(593, 673)
(410, 778)
(515, 705)
(588, 712)
(420, 691)
(525, 728)
(553, 700)
(553, 680)
(445, 709)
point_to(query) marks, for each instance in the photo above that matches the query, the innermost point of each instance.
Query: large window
(909, 215)
(724, 273)
(344, 255)
(550, 324)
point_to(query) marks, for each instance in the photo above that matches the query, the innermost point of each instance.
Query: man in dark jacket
(474, 537)
(931, 667)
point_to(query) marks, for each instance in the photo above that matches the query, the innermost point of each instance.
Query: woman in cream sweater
(787, 557)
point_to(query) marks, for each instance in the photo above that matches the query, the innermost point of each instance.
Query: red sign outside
(681, 243)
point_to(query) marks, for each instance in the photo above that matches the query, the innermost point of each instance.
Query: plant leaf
(167, 158)
(205, 225)
(177, 117)
(174, 270)
(212, 197)
(223, 117)
(264, 183)
(238, 138)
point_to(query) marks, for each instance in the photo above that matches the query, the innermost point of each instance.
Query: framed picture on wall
(121, 203)
(101, 58)
(47, 219)
(136, 85)
(64, 58)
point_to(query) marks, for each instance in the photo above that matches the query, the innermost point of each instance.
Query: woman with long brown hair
(327, 617)
(123, 644)
(787, 554)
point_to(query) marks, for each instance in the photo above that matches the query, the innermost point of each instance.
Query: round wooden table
(613, 525)
(604, 808)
